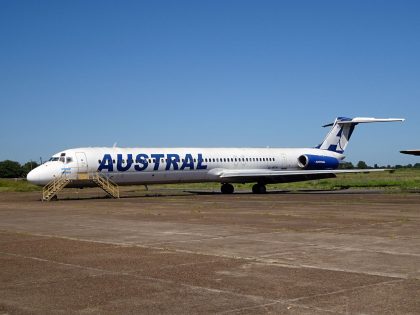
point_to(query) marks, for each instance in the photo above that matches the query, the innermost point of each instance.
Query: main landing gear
(227, 188)
(259, 189)
(256, 189)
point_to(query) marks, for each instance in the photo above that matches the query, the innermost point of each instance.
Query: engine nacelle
(317, 162)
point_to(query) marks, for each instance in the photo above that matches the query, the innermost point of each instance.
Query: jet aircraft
(412, 152)
(262, 166)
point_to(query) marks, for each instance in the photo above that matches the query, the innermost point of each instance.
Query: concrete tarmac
(343, 252)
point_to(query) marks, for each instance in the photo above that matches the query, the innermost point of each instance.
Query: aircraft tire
(259, 189)
(227, 189)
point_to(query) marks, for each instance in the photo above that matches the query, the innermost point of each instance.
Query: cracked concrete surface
(180, 253)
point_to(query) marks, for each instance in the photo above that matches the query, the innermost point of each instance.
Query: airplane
(262, 166)
(412, 152)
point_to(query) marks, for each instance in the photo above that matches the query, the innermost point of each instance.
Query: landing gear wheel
(227, 189)
(259, 189)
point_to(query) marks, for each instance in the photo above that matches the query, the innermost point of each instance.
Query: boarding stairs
(53, 187)
(50, 191)
(107, 185)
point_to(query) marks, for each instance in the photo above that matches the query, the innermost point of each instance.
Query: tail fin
(342, 129)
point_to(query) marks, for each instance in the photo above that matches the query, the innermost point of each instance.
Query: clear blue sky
(207, 73)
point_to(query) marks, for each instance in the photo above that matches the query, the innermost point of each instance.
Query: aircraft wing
(413, 152)
(281, 176)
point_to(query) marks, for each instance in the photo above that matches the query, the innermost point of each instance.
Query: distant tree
(398, 166)
(362, 165)
(417, 165)
(10, 169)
(346, 165)
(376, 166)
(28, 166)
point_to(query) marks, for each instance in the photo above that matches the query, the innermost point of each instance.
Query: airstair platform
(51, 190)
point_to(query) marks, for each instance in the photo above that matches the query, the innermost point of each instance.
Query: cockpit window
(69, 160)
(62, 157)
(54, 158)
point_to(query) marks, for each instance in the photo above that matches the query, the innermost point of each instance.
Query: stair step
(59, 183)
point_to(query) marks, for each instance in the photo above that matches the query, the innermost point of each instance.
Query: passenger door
(82, 163)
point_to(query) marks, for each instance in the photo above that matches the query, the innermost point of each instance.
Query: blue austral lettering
(157, 158)
(106, 163)
(172, 159)
(200, 165)
(142, 160)
(129, 161)
(188, 162)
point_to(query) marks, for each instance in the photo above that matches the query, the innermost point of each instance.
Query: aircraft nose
(41, 175)
(33, 176)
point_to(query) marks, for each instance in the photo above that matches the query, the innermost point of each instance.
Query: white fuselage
(129, 166)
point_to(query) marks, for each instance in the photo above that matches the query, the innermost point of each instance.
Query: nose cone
(34, 176)
(40, 175)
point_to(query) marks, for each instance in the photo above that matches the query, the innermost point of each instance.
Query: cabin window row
(208, 160)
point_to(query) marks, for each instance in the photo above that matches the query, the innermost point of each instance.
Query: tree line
(364, 165)
(13, 169)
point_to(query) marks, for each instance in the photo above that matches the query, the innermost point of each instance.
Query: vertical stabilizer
(342, 129)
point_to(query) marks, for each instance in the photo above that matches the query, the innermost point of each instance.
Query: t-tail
(342, 129)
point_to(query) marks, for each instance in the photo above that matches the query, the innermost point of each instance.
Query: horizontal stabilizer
(360, 120)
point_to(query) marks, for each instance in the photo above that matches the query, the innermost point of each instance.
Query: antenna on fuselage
(115, 145)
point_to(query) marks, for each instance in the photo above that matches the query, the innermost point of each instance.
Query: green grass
(17, 185)
(399, 180)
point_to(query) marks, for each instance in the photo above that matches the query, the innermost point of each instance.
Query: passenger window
(113, 161)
